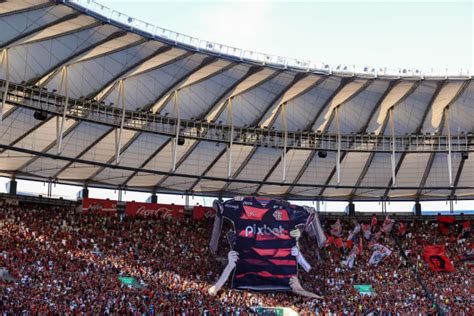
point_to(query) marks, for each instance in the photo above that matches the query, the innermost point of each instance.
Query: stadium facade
(92, 96)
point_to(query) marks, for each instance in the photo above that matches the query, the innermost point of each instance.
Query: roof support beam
(42, 154)
(254, 149)
(241, 167)
(440, 131)
(28, 9)
(84, 151)
(285, 142)
(417, 131)
(118, 134)
(6, 66)
(120, 75)
(227, 94)
(56, 68)
(178, 126)
(220, 106)
(62, 34)
(63, 84)
(344, 82)
(72, 61)
(179, 163)
(106, 92)
(143, 164)
(228, 149)
(112, 160)
(278, 111)
(175, 85)
(191, 189)
(309, 127)
(181, 86)
(29, 132)
(452, 196)
(272, 169)
(47, 148)
(384, 124)
(229, 106)
(174, 88)
(339, 157)
(230, 120)
(368, 163)
(271, 105)
(11, 43)
(450, 164)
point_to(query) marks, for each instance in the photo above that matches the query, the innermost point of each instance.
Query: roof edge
(145, 29)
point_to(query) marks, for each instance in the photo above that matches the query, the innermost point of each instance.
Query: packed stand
(453, 290)
(65, 262)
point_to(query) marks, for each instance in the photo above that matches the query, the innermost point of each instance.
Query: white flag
(379, 254)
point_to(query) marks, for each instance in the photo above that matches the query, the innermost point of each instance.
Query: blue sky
(421, 34)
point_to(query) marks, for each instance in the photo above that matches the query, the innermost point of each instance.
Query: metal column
(338, 156)
(285, 140)
(50, 188)
(186, 200)
(178, 123)
(392, 129)
(6, 65)
(118, 140)
(230, 121)
(450, 166)
(63, 85)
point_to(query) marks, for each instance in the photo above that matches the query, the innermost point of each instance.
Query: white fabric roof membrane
(46, 44)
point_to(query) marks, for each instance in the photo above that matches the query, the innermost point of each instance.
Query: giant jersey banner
(267, 250)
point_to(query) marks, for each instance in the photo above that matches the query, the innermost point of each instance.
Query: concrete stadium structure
(92, 96)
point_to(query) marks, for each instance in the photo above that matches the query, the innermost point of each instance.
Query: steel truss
(36, 98)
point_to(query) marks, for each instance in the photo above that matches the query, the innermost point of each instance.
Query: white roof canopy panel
(47, 44)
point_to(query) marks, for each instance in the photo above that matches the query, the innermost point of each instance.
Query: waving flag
(336, 228)
(379, 254)
(402, 229)
(445, 223)
(466, 229)
(436, 258)
(388, 225)
(354, 232)
(366, 231)
(374, 220)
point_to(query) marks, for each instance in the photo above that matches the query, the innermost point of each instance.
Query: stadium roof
(95, 97)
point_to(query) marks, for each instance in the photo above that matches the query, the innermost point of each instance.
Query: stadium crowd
(63, 262)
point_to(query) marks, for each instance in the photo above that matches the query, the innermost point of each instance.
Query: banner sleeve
(217, 227)
(315, 229)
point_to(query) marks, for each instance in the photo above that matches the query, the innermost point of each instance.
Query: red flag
(338, 242)
(329, 241)
(200, 212)
(444, 222)
(436, 258)
(466, 225)
(402, 229)
(466, 230)
(446, 219)
(374, 220)
(349, 244)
